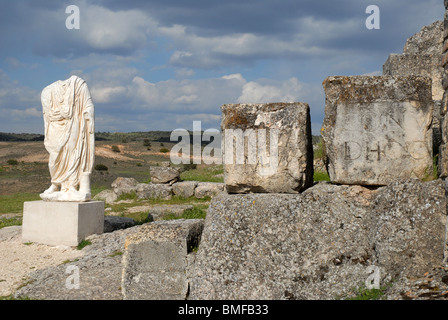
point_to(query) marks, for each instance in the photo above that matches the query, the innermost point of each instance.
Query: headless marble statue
(69, 139)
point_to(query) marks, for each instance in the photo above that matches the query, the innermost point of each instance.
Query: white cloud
(273, 91)
(27, 113)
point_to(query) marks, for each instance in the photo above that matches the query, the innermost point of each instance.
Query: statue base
(66, 196)
(61, 223)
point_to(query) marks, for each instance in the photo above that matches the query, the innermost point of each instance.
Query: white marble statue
(69, 138)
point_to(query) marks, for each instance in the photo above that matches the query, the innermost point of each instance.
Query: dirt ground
(18, 260)
(31, 174)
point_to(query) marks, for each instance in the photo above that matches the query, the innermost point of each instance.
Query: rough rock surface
(108, 196)
(378, 129)
(429, 40)
(112, 223)
(443, 151)
(157, 212)
(154, 191)
(185, 189)
(417, 64)
(99, 272)
(208, 189)
(164, 175)
(156, 264)
(422, 55)
(244, 170)
(319, 244)
(124, 185)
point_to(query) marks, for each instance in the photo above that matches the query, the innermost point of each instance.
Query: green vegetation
(362, 293)
(435, 168)
(12, 162)
(115, 148)
(197, 212)
(69, 261)
(189, 166)
(14, 203)
(139, 217)
(83, 244)
(321, 176)
(16, 221)
(116, 253)
(204, 174)
(128, 196)
(320, 152)
(101, 167)
(164, 150)
(147, 143)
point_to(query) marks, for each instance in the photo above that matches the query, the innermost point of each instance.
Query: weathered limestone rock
(164, 175)
(378, 129)
(429, 40)
(443, 151)
(157, 260)
(157, 212)
(124, 185)
(154, 191)
(113, 223)
(422, 55)
(208, 189)
(318, 244)
(267, 147)
(108, 196)
(185, 189)
(417, 64)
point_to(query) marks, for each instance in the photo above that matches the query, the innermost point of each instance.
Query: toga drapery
(68, 113)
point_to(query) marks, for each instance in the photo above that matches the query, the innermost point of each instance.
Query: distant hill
(21, 137)
(158, 136)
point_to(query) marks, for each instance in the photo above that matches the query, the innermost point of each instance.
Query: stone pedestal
(61, 223)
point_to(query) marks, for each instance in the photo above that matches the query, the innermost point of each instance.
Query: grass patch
(139, 217)
(197, 212)
(320, 151)
(128, 196)
(9, 222)
(69, 261)
(83, 244)
(14, 203)
(116, 253)
(321, 176)
(204, 174)
(362, 293)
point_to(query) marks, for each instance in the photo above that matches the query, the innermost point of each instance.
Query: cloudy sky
(162, 64)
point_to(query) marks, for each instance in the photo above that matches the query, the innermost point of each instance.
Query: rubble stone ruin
(275, 234)
(267, 147)
(422, 55)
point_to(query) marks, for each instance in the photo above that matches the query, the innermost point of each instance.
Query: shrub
(146, 143)
(115, 148)
(12, 162)
(164, 150)
(189, 166)
(101, 167)
(139, 164)
(83, 244)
